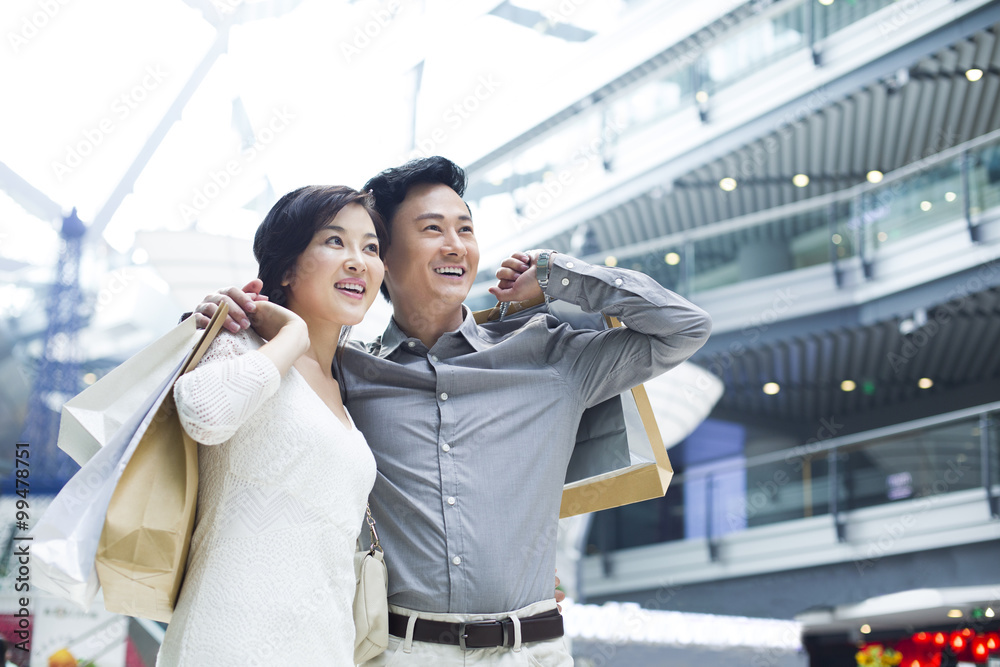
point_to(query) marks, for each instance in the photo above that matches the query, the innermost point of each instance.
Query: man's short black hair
(391, 186)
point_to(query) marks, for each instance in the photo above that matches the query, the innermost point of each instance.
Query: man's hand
(516, 278)
(560, 594)
(240, 302)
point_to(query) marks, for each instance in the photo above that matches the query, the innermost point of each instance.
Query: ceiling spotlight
(800, 180)
(874, 176)
(865, 629)
(826, 3)
(848, 385)
(950, 196)
(701, 97)
(611, 261)
(672, 258)
(989, 612)
(771, 388)
(837, 239)
(89, 378)
(926, 383)
(955, 613)
(728, 184)
(883, 237)
(925, 205)
(974, 74)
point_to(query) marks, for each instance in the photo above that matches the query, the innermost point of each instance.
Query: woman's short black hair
(291, 224)
(391, 186)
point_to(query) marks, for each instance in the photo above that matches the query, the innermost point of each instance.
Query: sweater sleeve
(231, 382)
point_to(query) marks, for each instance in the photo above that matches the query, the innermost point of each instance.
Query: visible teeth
(450, 270)
(353, 287)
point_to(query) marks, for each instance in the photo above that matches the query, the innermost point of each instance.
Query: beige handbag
(371, 598)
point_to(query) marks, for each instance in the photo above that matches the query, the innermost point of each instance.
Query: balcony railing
(700, 69)
(962, 182)
(918, 460)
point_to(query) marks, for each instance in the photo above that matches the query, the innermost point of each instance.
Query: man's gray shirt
(472, 437)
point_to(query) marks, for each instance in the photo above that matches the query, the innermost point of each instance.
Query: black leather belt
(480, 634)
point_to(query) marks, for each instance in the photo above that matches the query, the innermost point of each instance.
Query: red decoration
(979, 650)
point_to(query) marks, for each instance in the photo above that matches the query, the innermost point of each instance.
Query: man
(472, 426)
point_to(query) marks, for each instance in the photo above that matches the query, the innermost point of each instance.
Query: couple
(471, 427)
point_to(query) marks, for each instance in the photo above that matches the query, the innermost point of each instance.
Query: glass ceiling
(300, 92)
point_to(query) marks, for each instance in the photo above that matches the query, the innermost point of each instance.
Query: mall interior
(823, 178)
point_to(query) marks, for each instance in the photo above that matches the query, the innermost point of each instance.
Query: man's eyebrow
(439, 216)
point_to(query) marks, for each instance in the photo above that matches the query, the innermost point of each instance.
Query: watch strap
(543, 265)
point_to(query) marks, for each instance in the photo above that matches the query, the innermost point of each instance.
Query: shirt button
(618, 281)
(457, 560)
(444, 396)
(410, 343)
(569, 265)
(451, 500)
(565, 281)
(446, 447)
(434, 357)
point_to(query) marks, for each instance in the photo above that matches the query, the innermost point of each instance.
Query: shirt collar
(393, 336)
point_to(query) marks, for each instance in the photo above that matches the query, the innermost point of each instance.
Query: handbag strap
(376, 546)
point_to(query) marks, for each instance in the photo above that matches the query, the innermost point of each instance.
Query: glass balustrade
(808, 481)
(692, 77)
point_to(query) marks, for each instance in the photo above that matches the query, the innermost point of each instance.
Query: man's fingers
(515, 264)
(237, 318)
(504, 273)
(501, 294)
(240, 297)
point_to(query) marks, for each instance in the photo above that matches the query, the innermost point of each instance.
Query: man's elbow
(699, 327)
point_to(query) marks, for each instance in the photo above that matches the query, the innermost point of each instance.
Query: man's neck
(428, 324)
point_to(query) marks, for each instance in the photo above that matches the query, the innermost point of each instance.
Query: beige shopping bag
(619, 457)
(143, 549)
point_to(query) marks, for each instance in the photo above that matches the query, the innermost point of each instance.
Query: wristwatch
(542, 269)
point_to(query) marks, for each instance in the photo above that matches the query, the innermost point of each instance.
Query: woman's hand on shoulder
(269, 318)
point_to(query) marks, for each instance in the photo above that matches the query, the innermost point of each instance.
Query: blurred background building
(822, 176)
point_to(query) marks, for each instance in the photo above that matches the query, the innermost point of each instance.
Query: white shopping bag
(101, 428)
(66, 536)
(91, 418)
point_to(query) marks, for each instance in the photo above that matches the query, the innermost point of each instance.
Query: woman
(285, 475)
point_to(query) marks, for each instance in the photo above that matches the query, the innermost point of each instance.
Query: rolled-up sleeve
(662, 329)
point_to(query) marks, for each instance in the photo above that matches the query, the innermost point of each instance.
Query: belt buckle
(462, 635)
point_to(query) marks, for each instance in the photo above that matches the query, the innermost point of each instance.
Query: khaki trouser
(406, 651)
